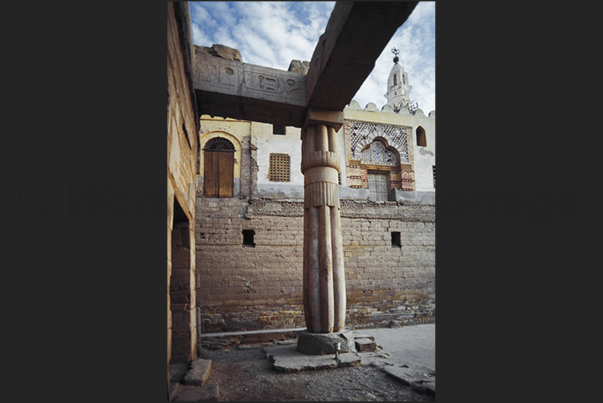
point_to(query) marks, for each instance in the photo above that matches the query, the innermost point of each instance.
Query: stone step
(177, 371)
(189, 393)
(198, 373)
(173, 390)
(225, 339)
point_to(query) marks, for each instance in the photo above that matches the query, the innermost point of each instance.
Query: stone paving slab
(375, 359)
(421, 379)
(288, 359)
(209, 392)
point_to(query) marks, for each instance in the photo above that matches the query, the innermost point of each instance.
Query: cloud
(416, 41)
(272, 34)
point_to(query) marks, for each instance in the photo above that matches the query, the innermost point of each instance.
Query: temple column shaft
(324, 276)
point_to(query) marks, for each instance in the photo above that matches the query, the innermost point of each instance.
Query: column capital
(317, 116)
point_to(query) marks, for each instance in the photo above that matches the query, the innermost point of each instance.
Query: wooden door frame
(217, 176)
(387, 173)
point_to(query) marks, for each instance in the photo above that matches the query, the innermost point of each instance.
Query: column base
(321, 343)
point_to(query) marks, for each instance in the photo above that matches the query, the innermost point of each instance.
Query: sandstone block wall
(260, 287)
(181, 170)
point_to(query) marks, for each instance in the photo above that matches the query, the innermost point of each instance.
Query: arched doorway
(218, 171)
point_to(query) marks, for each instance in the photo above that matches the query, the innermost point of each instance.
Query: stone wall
(260, 287)
(181, 170)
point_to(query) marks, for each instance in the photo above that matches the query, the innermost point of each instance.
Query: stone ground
(246, 375)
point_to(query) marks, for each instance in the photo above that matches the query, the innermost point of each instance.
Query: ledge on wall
(421, 197)
(281, 191)
(353, 194)
(296, 193)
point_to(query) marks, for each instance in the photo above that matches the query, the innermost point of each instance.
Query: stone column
(324, 277)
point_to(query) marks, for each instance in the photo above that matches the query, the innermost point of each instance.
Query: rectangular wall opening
(396, 242)
(248, 240)
(278, 129)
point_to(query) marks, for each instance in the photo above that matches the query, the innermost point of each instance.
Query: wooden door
(218, 173)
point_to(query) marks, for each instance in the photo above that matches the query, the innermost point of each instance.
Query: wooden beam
(356, 34)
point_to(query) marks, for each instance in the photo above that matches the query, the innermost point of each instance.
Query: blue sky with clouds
(272, 34)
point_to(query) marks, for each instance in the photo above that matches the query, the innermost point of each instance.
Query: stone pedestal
(321, 343)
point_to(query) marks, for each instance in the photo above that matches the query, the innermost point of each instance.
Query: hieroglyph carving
(236, 78)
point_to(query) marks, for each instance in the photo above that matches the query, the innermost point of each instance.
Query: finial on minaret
(396, 52)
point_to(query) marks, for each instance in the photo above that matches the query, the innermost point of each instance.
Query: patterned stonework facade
(379, 147)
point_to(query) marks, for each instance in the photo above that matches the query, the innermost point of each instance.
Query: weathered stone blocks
(321, 343)
(365, 344)
(198, 373)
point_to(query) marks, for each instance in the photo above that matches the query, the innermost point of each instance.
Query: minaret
(397, 85)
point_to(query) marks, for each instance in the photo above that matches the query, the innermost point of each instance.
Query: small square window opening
(248, 240)
(279, 169)
(278, 129)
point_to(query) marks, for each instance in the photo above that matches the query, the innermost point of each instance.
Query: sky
(272, 33)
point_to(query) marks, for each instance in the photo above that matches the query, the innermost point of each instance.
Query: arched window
(421, 138)
(219, 143)
(218, 168)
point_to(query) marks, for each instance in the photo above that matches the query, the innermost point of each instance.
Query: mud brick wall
(260, 287)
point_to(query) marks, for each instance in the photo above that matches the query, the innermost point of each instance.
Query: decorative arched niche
(379, 150)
